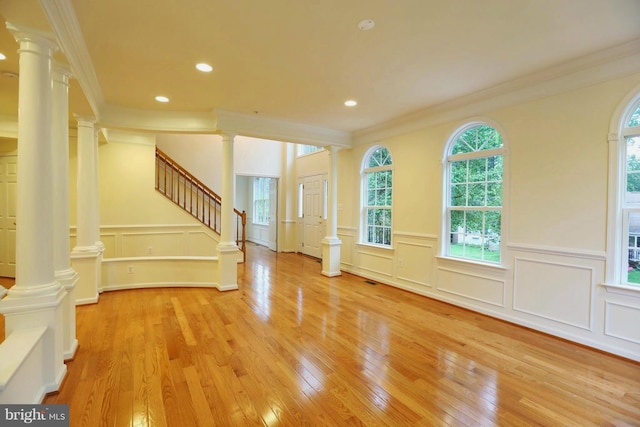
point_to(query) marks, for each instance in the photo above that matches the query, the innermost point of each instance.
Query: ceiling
(300, 60)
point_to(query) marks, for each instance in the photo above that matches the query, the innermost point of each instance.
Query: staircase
(186, 191)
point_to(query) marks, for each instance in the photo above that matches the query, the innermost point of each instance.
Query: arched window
(377, 193)
(474, 188)
(623, 243)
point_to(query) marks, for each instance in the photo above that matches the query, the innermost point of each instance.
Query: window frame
(447, 206)
(619, 210)
(265, 181)
(366, 170)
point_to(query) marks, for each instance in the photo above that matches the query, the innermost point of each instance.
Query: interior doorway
(258, 197)
(8, 194)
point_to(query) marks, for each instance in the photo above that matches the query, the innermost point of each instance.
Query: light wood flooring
(295, 348)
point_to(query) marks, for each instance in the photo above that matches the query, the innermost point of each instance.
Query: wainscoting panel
(415, 262)
(378, 264)
(622, 321)
(473, 286)
(555, 291)
(136, 244)
(200, 243)
(133, 273)
(347, 236)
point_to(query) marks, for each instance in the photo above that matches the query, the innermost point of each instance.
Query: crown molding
(65, 25)
(279, 130)
(125, 118)
(594, 68)
(127, 137)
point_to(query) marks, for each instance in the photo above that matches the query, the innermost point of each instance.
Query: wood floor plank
(294, 348)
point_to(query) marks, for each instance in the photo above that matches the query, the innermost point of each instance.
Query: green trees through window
(378, 197)
(475, 190)
(631, 208)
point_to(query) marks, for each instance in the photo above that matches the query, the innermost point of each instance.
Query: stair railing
(188, 192)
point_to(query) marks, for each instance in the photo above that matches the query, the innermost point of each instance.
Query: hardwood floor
(294, 348)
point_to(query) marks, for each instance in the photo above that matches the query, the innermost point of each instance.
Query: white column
(64, 274)
(331, 244)
(227, 248)
(87, 254)
(36, 298)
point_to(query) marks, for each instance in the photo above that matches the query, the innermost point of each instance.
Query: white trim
(161, 258)
(615, 256)
(557, 251)
(416, 235)
(610, 333)
(617, 288)
(64, 22)
(279, 129)
(364, 189)
(473, 263)
(487, 278)
(447, 160)
(591, 270)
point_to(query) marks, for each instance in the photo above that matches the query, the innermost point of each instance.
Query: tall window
(261, 200)
(474, 194)
(307, 149)
(631, 195)
(377, 193)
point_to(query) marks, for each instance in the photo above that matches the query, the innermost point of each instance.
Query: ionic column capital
(33, 40)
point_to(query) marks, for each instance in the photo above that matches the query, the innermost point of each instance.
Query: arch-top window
(377, 197)
(474, 169)
(631, 196)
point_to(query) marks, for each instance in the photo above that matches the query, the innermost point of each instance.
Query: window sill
(472, 263)
(373, 245)
(619, 288)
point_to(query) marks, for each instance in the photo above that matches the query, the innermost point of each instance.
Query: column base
(68, 279)
(87, 262)
(227, 266)
(331, 256)
(24, 313)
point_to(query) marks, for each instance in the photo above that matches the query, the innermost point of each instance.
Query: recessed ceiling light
(161, 98)
(2, 56)
(350, 103)
(366, 24)
(205, 68)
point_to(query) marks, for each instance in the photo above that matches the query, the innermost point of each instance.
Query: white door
(8, 174)
(313, 223)
(273, 214)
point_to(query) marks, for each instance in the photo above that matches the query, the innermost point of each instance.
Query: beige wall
(557, 152)
(127, 187)
(555, 220)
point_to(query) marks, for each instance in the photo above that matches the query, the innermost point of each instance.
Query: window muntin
(378, 195)
(261, 200)
(475, 169)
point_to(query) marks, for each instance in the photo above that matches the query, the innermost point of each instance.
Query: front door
(313, 221)
(8, 192)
